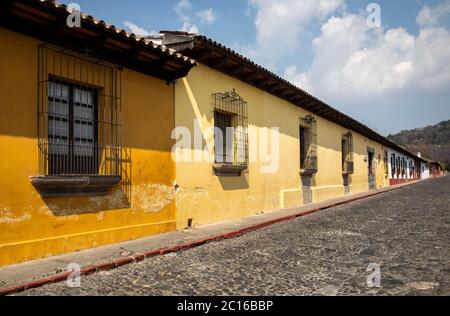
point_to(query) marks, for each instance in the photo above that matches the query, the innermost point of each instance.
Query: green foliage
(436, 135)
(432, 141)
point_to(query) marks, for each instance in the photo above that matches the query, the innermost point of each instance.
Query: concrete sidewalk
(16, 278)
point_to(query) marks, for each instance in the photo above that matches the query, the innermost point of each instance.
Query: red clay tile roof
(38, 17)
(288, 91)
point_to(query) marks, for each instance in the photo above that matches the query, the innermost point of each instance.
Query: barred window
(79, 115)
(231, 124)
(386, 162)
(347, 153)
(403, 166)
(308, 144)
(72, 132)
(411, 169)
(223, 144)
(393, 167)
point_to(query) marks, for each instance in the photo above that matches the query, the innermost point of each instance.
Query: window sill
(58, 186)
(228, 170)
(307, 172)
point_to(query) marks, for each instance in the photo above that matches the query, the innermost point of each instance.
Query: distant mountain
(432, 141)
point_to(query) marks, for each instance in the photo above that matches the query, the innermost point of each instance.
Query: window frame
(72, 162)
(304, 146)
(308, 145)
(347, 153)
(226, 148)
(393, 165)
(232, 104)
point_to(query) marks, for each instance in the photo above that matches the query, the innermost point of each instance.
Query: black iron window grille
(230, 117)
(411, 169)
(403, 165)
(347, 153)
(386, 162)
(308, 144)
(78, 115)
(72, 129)
(393, 169)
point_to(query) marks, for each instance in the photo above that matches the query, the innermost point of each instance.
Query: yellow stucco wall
(145, 204)
(206, 198)
(32, 227)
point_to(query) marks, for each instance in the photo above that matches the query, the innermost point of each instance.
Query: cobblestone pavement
(406, 232)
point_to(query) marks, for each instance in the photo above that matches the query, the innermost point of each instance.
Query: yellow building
(85, 139)
(106, 137)
(323, 153)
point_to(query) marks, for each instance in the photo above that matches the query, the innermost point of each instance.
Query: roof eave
(46, 21)
(213, 54)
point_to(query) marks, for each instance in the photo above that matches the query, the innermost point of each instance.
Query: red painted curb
(192, 244)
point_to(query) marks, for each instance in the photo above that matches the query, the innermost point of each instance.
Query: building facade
(435, 169)
(324, 154)
(404, 168)
(108, 137)
(425, 170)
(86, 141)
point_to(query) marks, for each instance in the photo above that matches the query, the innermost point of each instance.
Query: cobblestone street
(406, 232)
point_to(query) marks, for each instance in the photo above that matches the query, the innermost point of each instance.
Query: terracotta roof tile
(121, 32)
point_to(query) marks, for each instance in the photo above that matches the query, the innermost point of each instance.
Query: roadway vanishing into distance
(405, 232)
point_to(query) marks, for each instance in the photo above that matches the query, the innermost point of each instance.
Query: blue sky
(391, 78)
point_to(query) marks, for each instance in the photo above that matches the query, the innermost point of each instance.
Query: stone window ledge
(57, 186)
(228, 170)
(308, 172)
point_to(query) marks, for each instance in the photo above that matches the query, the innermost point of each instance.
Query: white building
(425, 171)
(402, 167)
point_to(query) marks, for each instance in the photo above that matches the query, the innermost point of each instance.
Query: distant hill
(432, 141)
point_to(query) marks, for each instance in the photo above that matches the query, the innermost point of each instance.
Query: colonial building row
(90, 120)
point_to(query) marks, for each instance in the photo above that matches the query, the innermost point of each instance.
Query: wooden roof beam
(255, 80)
(5, 10)
(157, 65)
(248, 77)
(6, 6)
(182, 72)
(287, 94)
(204, 55)
(238, 70)
(269, 84)
(99, 41)
(55, 29)
(275, 89)
(132, 56)
(310, 106)
(222, 61)
(296, 98)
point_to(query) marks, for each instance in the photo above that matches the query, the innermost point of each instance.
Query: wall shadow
(118, 197)
(147, 124)
(232, 183)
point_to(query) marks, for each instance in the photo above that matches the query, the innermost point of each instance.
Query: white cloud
(280, 26)
(137, 30)
(184, 11)
(207, 16)
(182, 7)
(352, 60)
(248, 11)
(190, 28)
(300, 79)
(431, 16)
